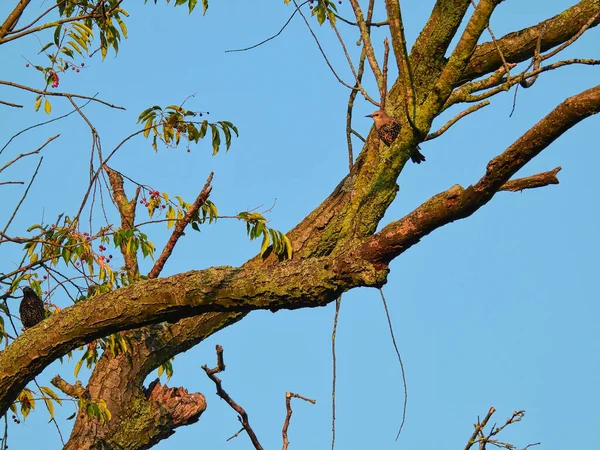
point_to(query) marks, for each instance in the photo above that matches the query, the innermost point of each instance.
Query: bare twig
(272, 37)
(533, 181)
(23, 197)
(338, 304)
(354, 93)
(455, 119)
(180, 226)
(288, 416)
(386, 54)
(389, 321)
(14, 105)
(243, 417)
(23, 155)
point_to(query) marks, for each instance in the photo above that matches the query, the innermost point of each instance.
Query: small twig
(386, 54)
(52, 419)
(14, 105)
(243, 417)
(288, 416)
(272, 37)
(24, 195)
(338, 304)
(389, 321)
(455, 119)
(478, 427)
(23, 155)
(342, 82)
(180, 226)
(354, 93)
(39, 125)
(533, 181)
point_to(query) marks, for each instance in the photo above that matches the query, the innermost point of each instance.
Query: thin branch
(272, 37)
(342, 82)
(288, 416)
(366, 38)
(455, 119)
(14, 105)
(58, 94)
(354, 93)
(34, 152)
(39, 125)
(533, 181)
(23, 197)
(180, 227)
(243, 417)
(389, 321)
(338, 304)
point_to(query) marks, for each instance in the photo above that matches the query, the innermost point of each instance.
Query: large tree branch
(290, 285)
(458, 203)
(520, 45)
(428, 52)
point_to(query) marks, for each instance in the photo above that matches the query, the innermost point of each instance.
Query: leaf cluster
(172, 123)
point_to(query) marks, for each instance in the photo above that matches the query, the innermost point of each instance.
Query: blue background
(497, 310)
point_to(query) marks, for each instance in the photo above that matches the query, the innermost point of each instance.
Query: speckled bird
(32, 308)
(388, 130)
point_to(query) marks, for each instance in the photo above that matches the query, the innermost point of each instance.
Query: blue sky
(497, 310)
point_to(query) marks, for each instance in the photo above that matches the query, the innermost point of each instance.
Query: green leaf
(38, 103)
(46, 47)
(265, 244)
(49, 407)
(216, 139)
(192, 5)
(57, 31)
(204, 6)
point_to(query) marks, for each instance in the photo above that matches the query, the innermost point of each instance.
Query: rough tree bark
(336, 247)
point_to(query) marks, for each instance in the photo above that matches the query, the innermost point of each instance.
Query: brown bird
(31, 309)
(388, 130)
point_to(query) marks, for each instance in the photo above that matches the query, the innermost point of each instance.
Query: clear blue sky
(500, 309)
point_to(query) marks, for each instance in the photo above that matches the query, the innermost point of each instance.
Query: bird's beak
(369, 115)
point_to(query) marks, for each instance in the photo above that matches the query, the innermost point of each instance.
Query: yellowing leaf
(47, 106)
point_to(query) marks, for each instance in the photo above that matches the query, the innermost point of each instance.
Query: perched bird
(388, 130)
(31, 309)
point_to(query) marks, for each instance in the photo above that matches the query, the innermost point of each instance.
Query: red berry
(26, 65)
(83, 64)
(77, 70)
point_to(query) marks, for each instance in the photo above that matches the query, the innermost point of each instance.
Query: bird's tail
(417, 156)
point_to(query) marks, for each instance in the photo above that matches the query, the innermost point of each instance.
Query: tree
(129, 325)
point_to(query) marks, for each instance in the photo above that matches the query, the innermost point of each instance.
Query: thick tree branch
(452, 72)
(458, 203)
(13, 18)
(292, 284)
(427, 54)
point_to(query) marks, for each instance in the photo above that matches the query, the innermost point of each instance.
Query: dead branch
(533, 181)
(180, 227)
(243, 417)
(288, 416)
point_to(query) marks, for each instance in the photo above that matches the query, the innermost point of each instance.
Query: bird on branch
(388, 129)
(31, 309)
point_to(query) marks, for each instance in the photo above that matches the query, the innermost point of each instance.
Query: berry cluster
(154, 201)
(15, 420)
(52, 75)
(103, 258)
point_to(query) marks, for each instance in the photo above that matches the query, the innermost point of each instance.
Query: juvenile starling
(388, 130)
(31, 309)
